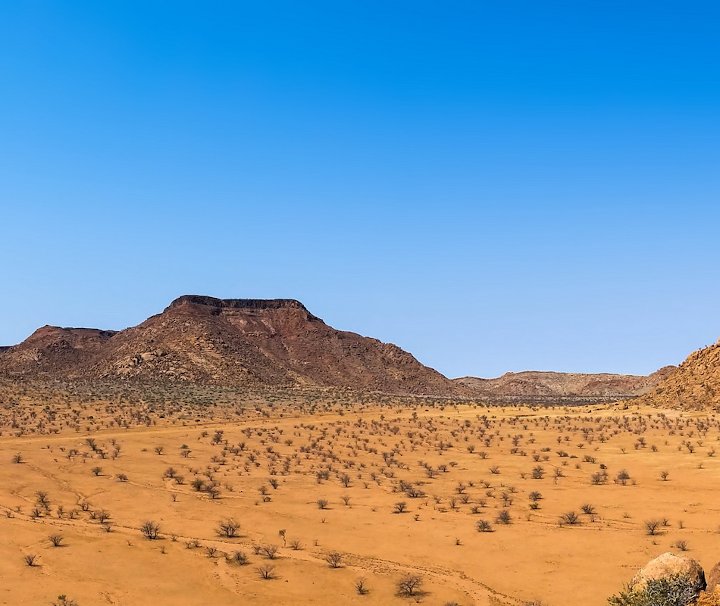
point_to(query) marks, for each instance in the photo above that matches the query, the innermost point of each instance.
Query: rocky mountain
(539, 385)
(695, 385)
(253, 342)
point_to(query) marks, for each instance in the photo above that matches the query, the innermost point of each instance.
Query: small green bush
(669, 591)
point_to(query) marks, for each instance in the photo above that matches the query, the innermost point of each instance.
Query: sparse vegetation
(380, 460)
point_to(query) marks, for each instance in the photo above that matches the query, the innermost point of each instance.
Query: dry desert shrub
(504, 517)
(228, 528)
(483, 526)
(361, 587)
(266, 572)
(409, 585)
(150, 530)
(238, 558)
(569, 519)
(269, 551)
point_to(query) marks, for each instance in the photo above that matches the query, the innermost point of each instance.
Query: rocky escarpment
(247, 304)
(254, 342)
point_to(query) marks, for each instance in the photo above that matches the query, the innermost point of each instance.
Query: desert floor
(304, 482)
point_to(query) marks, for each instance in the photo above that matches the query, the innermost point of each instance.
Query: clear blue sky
(491, 185)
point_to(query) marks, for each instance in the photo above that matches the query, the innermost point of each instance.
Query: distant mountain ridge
(548, 384)
(280, 343)
(253, 342)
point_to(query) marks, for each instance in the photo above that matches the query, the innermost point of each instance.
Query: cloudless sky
(493, 186)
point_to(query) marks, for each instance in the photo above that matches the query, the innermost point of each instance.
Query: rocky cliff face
(694, 386)
(248, 304)
(549, 385)
(254, 342)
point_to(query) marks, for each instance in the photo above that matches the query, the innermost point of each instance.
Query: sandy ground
(452, 466)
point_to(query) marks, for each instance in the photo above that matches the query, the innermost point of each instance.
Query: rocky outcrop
(670, 565)
(694, 386)
(669, 579)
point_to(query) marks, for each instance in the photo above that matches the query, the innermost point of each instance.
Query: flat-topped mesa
(268, 343)
(254, 304)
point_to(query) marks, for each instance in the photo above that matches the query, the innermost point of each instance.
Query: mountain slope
(254, 342)
(52, 350)
(539, 384)
(694, 386)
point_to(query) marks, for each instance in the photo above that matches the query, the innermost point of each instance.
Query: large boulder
(670, 565)
(713, 580)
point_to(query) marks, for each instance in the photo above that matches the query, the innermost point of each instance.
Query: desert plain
(330, 498)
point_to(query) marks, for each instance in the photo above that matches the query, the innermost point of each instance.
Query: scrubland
(313, 499)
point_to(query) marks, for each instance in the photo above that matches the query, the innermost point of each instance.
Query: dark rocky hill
(254, 342)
